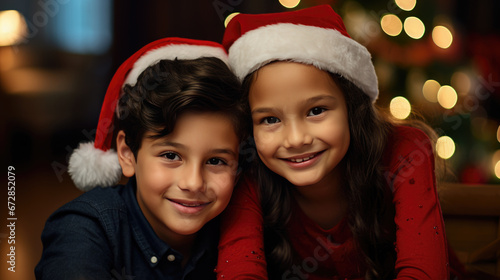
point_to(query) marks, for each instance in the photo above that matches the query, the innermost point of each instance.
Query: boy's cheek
(224, 181)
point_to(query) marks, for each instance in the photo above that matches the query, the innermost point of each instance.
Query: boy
(175, 105)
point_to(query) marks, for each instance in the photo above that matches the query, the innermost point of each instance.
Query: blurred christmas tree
(442, 60)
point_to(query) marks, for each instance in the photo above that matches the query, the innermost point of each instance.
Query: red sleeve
(420, 237)
(241, 253)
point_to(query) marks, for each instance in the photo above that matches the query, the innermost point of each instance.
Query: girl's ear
(125, 155)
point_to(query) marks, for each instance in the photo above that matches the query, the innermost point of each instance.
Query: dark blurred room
(438, 59)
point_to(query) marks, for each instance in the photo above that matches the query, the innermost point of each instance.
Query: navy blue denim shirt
(103, 235)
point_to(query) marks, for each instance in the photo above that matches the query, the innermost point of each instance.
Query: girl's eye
(316, 111)
(216, 161)
(270, 120)
(171, 156)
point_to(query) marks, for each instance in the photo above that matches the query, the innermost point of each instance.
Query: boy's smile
(186, 178)
(300, 122)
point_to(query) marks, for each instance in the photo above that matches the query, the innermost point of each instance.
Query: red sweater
(329, 254)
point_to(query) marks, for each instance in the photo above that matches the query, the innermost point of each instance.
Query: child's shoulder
(98, 200)
(407, 137)
(404, 141)
(402, 132)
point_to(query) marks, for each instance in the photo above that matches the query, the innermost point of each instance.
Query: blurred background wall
(438, 58)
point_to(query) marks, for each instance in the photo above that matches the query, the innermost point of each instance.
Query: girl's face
(300, 122)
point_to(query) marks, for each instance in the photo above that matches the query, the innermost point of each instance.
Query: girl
(343, 192)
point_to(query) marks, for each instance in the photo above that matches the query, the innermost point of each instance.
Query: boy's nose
(192, 179)
(296, 135)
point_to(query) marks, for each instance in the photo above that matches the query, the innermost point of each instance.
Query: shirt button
(171, 258)
(154, 259)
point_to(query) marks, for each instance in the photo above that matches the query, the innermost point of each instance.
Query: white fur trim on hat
(90, 167)
(324, 48)
(171, 52)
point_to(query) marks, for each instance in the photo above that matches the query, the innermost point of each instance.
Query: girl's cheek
(264, 138)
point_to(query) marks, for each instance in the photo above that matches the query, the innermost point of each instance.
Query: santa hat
(95, 163)
(315, 36)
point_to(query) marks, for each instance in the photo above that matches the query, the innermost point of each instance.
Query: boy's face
(186, 178)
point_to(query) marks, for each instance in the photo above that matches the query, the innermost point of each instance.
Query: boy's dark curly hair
(169, 88)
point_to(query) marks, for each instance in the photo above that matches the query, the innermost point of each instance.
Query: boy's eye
(216, 161)
(270, 120)
(316, 111)
(171, 156)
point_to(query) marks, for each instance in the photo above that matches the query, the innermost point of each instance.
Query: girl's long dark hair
(370, 207)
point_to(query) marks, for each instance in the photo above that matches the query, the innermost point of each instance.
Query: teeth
(301, 159)
(189, 205)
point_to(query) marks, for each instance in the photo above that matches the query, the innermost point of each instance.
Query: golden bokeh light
(442, 37)
(461, 82)
(400, 107)
(391, 25)
(289, 3)
(447, 97)
(498, 133)
(12, 27)
(414, 27)
(406, 5)
(229, 18)
(430, 90)
(497, 169)
(445, 147)
(495, 158)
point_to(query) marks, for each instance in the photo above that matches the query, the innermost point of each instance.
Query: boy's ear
(125, 155)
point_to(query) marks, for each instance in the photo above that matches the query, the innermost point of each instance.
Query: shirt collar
(150, 244)
(153, 248)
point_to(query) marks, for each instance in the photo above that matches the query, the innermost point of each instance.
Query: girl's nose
(296, 135)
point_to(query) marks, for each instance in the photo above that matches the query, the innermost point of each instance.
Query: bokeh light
(442, 37)
(406, 5)
(289, 3)
(497, 169)
(400, 107)
(445, 147)
(498, 133)
(430, 90)
(414, 27)
(12, 27)
(229, 18)
(447, 97)
(495, 158)
(461, 82)
(391, 25)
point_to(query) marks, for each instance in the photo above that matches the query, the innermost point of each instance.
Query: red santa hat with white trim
(95, 163)
(315, 36)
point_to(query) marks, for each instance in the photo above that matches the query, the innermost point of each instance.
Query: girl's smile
(303, 161)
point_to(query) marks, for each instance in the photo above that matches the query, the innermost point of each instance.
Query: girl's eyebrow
(308, 101)
(262, 110)
(319, 98)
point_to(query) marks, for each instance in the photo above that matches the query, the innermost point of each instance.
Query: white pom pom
(90, 167)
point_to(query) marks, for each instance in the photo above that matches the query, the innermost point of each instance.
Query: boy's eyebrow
(181, 146)
(169, 143)
(224, 151)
